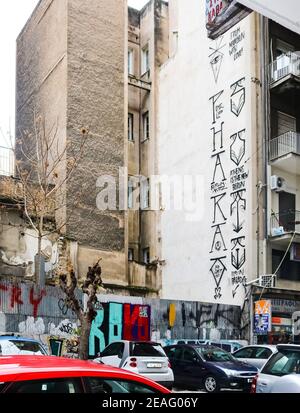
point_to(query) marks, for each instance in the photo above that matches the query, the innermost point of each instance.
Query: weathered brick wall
(96, 53)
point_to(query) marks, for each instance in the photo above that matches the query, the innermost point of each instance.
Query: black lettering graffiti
(238, 241)
(238, 147)
(67, 328)
(238, 259)
(216, 57)
(217, 108)
(218, 269)
(238, 204)
(218, 167)
(238, 97)
(217, 133)
(218, 240)
(217, 199)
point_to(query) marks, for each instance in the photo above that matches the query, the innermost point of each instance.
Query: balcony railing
(7, 161)
(287, 64)
(285, 222)
(284, 144)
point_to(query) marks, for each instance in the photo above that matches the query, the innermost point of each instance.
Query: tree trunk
(83, 350)
(39, 281)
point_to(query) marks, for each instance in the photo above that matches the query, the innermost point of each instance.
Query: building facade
(192, 108)
(232, 120)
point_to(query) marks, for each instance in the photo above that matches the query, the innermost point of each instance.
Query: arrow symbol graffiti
(238, 261)
(239, 203)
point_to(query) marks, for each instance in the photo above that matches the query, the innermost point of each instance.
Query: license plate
(154, 365)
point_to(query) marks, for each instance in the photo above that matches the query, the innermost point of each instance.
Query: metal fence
(284, 144)
(284, 65)
(7, 161)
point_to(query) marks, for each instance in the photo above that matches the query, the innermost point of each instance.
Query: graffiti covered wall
(43, 314)
(210, 124)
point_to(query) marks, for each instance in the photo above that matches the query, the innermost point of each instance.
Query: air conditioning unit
(267, 281)
(277, 184)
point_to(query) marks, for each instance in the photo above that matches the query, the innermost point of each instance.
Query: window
(145, 193)
(130, 194)
(102, 385)
(282, 363)
(21, 347)
(145, 60)
(286, 123)
(130, 254)
(146, 126)
(174, 353)
(130, 62)
(114, 349)
(214, 354)
(130, 127)
(261, 353)
(67, 385)
(146, 255)
(190, 355)
(244, 353)
(289, 270)
(146, 349)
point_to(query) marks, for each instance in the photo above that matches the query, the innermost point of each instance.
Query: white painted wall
(186, 147)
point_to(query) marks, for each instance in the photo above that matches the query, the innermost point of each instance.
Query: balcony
(7, 161)
(285, 72)
(284, 225)
(285, 151)
(143, 82)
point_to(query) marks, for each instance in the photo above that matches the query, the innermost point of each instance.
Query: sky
(14, 16)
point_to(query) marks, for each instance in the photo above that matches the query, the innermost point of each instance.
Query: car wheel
(211, 384)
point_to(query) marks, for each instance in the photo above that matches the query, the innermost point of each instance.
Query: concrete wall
(206, 87)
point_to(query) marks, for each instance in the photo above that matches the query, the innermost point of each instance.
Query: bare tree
(91, 285)
(44, 165)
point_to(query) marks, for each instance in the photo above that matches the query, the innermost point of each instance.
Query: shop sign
(262, 317)
(284, 306)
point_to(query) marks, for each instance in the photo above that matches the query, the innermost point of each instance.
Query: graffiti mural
(216, 57)
(116, 321)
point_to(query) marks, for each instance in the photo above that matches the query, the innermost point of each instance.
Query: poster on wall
(262, 317)
(219, 15)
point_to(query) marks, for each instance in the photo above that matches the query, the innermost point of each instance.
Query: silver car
(256, 355)
(282, 369)
(142, 357)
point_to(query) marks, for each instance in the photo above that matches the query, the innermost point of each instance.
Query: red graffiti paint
(15, 297)
(136, 322)
(3, 288)
(35, 301)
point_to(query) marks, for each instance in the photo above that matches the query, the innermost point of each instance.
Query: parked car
(199, 366)
(285, 361)
(50, 374)
(256, 355)
(227, 345)
(145, 358)
(17, 345)
(287, 384)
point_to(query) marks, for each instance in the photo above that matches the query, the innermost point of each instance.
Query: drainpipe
(264, 33)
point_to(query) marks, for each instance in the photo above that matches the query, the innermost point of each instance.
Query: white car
(145, 358)
(283, 367)
(256, 355)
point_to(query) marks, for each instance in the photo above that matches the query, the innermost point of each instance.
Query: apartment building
(93, 64)
(234, 122)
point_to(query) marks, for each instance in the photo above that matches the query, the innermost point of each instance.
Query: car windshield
(11, 347)
(147, 349)
(282, 363)
(214, 354)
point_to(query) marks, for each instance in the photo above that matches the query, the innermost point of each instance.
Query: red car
(46, 374)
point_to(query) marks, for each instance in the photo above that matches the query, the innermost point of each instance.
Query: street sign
(262, 317)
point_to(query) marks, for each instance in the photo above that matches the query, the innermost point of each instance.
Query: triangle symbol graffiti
(216, 63)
